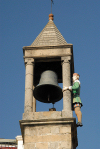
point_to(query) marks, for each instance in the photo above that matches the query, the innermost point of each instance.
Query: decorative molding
(29, 61)
(66, 59)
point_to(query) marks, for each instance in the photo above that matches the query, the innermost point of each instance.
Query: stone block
(47, 114)
(47, 138)
(53, 145)
(67, 114)
(30, 131)
(55, 129)
(65, 145)
(43, 130)
(29, 146)
(28, 116)
(41, 146)
(66, 129)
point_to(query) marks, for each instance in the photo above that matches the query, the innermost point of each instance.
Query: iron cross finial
(52, 2)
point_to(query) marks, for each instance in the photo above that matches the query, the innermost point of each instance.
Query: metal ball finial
(51, 17)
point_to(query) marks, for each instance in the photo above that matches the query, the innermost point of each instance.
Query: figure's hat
(76, 74)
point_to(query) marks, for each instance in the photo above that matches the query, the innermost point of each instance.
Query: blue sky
(20, 23)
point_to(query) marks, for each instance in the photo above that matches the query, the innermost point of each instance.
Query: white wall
(19, 142)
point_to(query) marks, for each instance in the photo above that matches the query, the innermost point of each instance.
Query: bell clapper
(53, 104)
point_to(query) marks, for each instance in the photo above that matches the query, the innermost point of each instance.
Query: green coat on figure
(76, 92)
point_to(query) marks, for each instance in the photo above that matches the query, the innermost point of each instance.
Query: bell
(48, 90)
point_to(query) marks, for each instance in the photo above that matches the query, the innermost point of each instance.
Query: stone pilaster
(29, 85)
(66, 74)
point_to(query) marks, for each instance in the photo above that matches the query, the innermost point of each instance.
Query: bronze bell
(48, 90)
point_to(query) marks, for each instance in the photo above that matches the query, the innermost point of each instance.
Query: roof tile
(49, 36)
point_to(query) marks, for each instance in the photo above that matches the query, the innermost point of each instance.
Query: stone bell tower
(48, 129)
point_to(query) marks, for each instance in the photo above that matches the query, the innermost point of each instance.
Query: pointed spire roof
(49, 36)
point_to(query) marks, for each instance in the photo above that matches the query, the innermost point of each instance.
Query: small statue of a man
(77, 104)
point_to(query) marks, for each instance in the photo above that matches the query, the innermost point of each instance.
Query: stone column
(66, 74)
(34, 102)
(29, 85)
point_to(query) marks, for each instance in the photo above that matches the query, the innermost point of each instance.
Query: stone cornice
(47, 47)
(47, 121)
